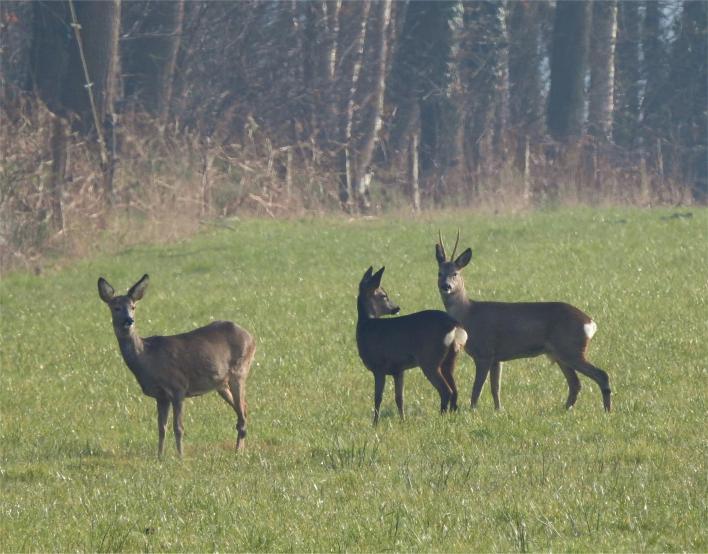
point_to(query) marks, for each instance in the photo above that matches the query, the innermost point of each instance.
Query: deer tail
(457, 335)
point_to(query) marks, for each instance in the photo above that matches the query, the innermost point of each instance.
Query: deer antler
(441, 244)
(457, 240)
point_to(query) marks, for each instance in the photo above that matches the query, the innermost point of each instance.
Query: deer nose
(128, 321)
(445, 287)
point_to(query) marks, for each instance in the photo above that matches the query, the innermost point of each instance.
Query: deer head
(375, 300)
(122, 307)
(450, 282)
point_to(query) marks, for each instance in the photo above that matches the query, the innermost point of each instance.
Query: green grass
(78, 467)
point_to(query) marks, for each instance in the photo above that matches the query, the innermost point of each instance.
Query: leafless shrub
(167, 182)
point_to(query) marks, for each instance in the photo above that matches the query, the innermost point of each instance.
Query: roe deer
(501, 331)
(170, 369)
(429, 339)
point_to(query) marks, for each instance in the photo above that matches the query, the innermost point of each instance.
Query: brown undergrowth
(168, 182)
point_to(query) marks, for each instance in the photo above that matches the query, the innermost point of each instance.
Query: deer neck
(132, 348)
(363, 311)
(457, 304)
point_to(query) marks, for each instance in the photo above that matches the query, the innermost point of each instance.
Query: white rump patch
(458, 334)
(590, 329)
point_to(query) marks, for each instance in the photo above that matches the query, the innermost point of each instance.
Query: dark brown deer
(429, 339)
(170, 369)
(501, 331)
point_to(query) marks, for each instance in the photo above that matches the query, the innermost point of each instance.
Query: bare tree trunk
(414, 170)
(151, 65)
(59, 150)
(525, 87)
(49, 58)
(350, 48)
(525, 83)
(568, 62)
(602, 69)
(625, 127)
(92, 83)
(655, 120)
(99, 31)
(320, 38)
(526, 168)
(49, 53)
(332, 8)
(314, 19)
(689, 117)
(483, 72)
(501, 117)
(372, 105)
(326, 115)
(207, 161)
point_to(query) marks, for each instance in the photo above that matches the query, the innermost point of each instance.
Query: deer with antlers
(170, 369)
(501, 331)
(430, 339)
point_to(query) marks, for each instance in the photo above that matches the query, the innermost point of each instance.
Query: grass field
(78, 467)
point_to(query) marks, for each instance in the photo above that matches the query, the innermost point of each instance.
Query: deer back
(406, 341)
(511, 330)
(198, 361)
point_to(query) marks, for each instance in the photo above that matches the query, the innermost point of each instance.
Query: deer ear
(105, 291)
(439, 254)
(137, 291)
(367, 275)
(376, 279)
(463, 259)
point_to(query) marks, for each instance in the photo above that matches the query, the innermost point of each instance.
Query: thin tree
(150, 56)
(525, 82)
(655, 106)
(689, 113)
(568, 62)
(602, 69)
(350, 50)
(94, 62)
(425, 95)
(628, 76)
(371, 90)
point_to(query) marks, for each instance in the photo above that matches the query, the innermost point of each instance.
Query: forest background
(150, 119)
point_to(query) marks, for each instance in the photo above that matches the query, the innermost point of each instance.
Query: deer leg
(398, 381)
(177, 423)
(163, 410)
(227, 395)
(238, 391)
(483, 365)
(599, 376)
(574, 385)
(379, 382)
(447, 369)
(435, 377)
(495, 373)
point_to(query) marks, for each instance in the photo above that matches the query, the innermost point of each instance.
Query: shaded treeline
(362, 105)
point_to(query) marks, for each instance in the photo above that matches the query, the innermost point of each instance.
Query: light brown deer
(429, 339)
(501, 331)
(170, 369)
